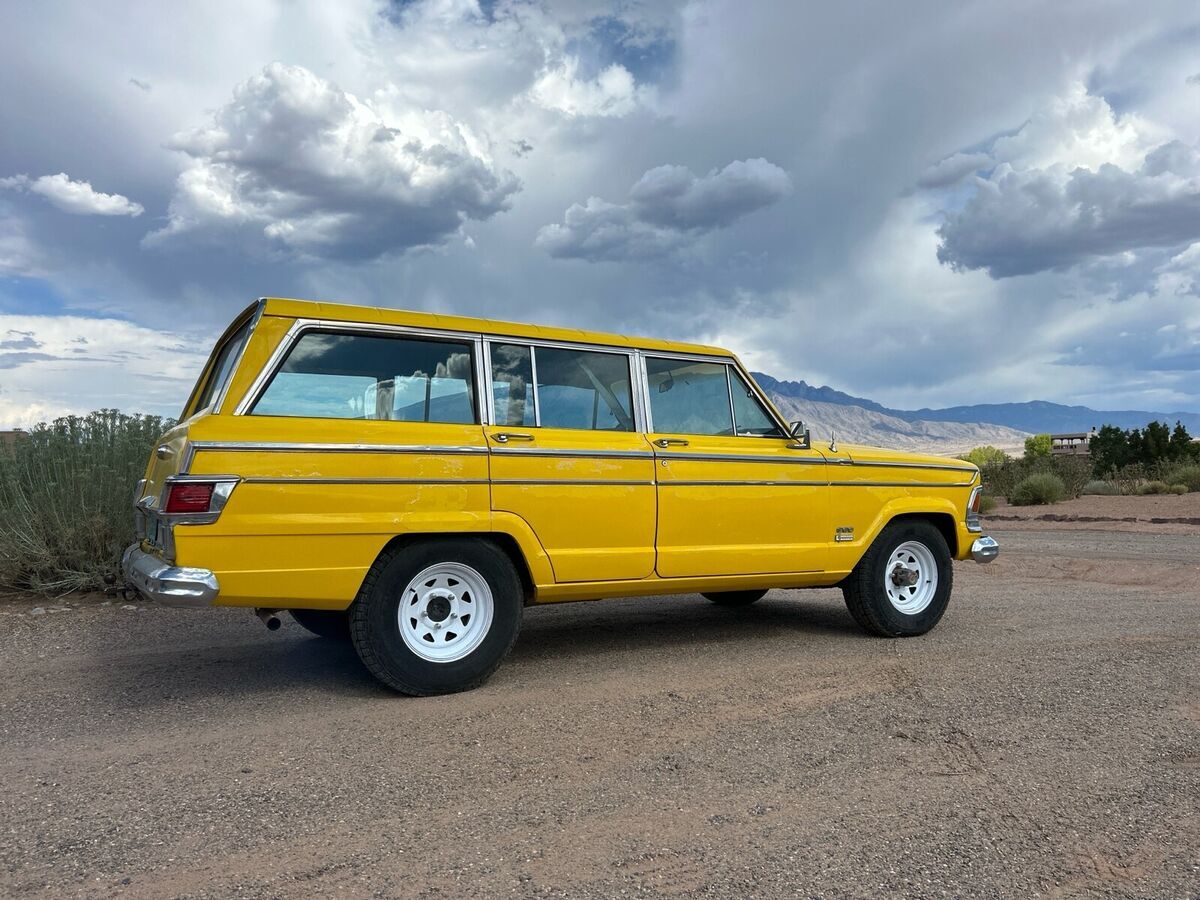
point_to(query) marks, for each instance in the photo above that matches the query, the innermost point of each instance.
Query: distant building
(1076, 444)
(8, 438)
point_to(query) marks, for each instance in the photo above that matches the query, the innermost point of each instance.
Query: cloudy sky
(923, 203)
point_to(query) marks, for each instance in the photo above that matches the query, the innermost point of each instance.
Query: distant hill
(1035, 416)
(859, 425)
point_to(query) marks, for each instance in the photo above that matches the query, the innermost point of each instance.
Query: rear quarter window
(337, 375)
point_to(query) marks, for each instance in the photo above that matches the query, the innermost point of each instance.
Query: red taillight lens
(189, 497)
(976, 500)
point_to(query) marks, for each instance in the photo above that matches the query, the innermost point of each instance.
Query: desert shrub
(66, 491)
(1154, 487)
(1075, 472)
(1100, 487)
(983, 456)
(1038, 489)
(1178, 489)
(1128, 478)
(986, 503)
(1182, 474)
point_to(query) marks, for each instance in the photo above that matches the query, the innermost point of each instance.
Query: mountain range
(1034, 416)
(951, 430)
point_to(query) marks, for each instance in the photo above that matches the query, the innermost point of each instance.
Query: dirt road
(1044, 739)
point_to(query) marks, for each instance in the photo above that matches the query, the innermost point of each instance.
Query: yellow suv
(410, 482)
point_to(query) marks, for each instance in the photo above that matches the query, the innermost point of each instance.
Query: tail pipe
(270, 618)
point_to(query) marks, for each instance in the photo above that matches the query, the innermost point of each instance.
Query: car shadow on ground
(246, 660)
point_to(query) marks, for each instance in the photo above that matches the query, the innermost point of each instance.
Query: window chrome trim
(301, 326)
(251, 314)
(255, 318)
(533, 345)
(730, 362)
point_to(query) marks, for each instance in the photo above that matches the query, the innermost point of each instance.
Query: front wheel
(437, 617)
(901, 586)
(735, 598)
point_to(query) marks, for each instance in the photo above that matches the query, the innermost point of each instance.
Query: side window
(357, 376)
(584, 389)
(512, 385)
(749, 415)
(688, 397)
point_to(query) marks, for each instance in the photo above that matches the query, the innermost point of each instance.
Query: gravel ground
(1043, 740)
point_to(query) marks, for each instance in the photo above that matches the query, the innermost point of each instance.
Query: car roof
(374, 315)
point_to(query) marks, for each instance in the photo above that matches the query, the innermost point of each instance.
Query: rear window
(222, 367)
(333, 375)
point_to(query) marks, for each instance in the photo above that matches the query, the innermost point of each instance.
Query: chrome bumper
(169, 585)
(985, 549)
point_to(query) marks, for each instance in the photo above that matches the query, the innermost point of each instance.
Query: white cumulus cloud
(314, 169)
(76, 197)
(668, 209)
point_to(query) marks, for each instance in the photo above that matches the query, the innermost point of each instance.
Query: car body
(598, 465)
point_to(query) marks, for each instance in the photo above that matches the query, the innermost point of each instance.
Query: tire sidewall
(892, 619)
(377, 631)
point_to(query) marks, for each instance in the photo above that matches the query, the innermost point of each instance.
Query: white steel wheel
(445, 612)
(910, 578)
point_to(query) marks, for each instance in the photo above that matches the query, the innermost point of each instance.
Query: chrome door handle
(671, 442)
(505, 436)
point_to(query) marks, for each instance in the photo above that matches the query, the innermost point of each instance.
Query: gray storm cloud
(1024, 221)
(310, 168)
(668, 209)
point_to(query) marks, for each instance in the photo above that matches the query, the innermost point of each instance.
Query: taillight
(976, 499)
(189, 497)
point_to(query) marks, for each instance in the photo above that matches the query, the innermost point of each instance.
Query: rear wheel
(901, 586)
(437, 617)
(735, 598)
(331, 624)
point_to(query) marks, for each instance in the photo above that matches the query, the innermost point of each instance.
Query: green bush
(66, 491)
(983, 456)
(1038, 445)
(1187, 475)
(1154, 487)
(986, 504)
(1101, 488)
(1038, 489)
(1178, 489)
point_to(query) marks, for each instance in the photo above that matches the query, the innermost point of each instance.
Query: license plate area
(156, 532)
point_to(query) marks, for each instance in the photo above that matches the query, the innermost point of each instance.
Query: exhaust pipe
(270, 618)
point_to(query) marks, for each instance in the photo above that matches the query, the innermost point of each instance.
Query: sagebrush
(66, 493)
(1038, 489)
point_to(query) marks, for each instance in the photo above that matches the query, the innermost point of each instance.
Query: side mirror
(802, 436)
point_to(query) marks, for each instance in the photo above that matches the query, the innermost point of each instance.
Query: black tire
(325, 623)
(735, 598)
(865, 588)
(374, 617)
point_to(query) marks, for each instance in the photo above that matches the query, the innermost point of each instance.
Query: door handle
(504, 437)
(671, 442)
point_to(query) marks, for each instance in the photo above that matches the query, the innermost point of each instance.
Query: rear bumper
(169, 585)
(985, 549)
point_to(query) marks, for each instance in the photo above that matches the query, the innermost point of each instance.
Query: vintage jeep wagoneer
(411, 481)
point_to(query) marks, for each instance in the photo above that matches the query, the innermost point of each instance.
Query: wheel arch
(505, 542)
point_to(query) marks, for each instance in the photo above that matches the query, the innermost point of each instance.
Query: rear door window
(359, 376)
